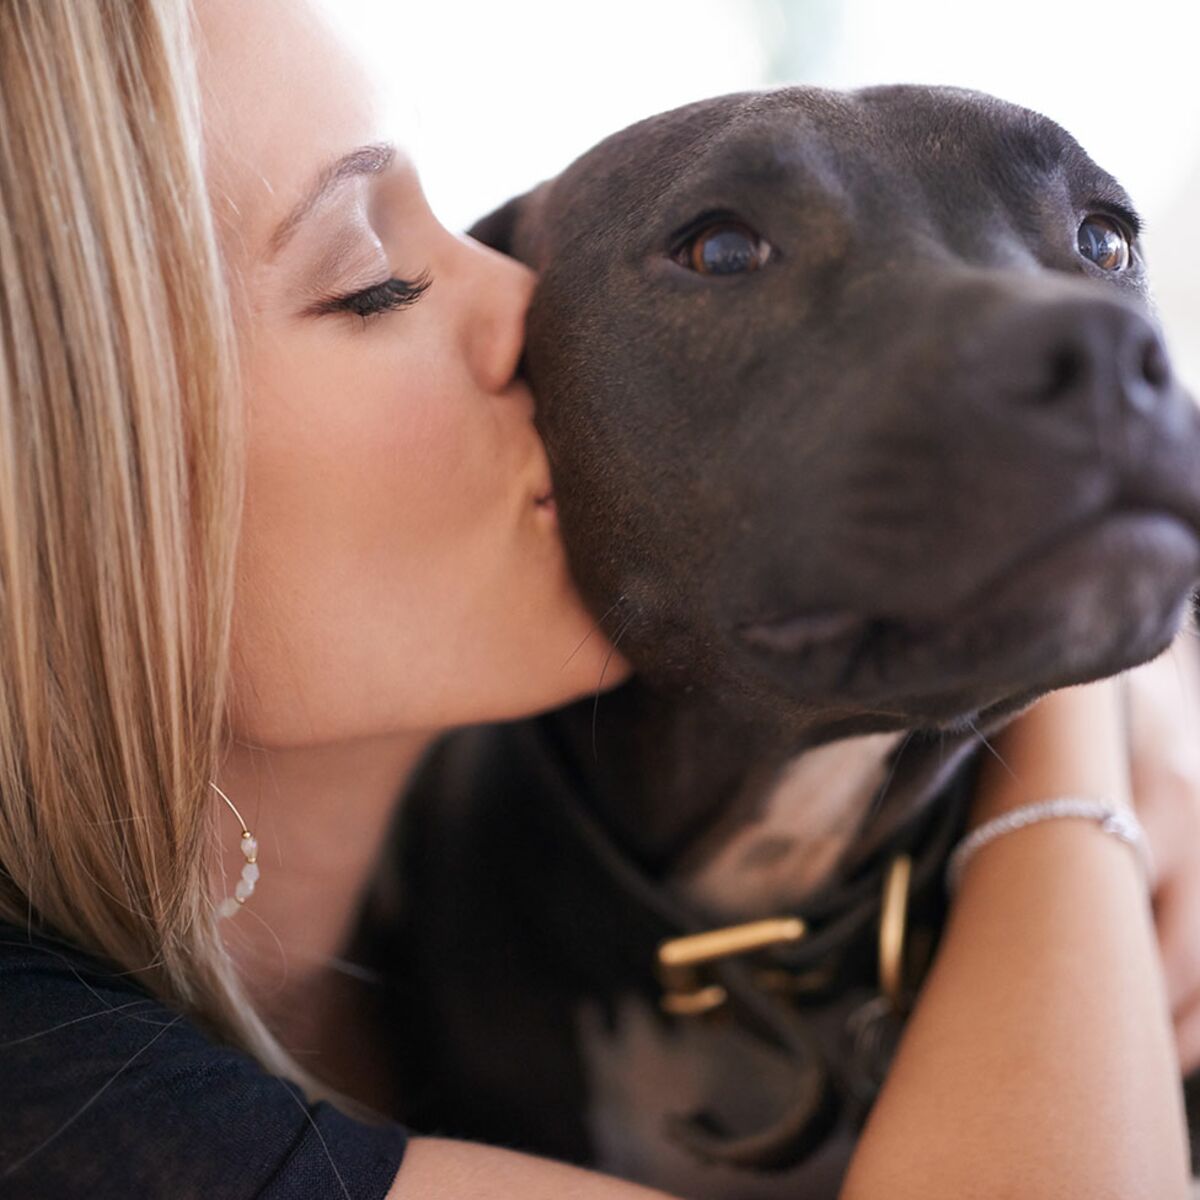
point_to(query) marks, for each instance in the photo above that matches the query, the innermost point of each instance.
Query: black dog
(863, 439)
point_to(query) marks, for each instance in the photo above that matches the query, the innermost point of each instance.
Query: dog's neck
(660, 769)
(743, 819)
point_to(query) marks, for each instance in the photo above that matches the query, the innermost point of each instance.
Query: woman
(268, 568)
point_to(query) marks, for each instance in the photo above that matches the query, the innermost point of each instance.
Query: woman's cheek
(348, 431)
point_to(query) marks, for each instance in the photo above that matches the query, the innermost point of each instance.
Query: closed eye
(379, 298)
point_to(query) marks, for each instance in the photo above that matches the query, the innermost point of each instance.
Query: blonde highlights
(120, 495)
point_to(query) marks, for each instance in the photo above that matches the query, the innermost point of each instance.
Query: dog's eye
(1104, 242)
(723, 248)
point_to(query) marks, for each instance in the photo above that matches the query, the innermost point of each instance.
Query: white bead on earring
(245, 885)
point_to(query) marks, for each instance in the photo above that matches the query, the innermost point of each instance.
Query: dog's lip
(799, 632)
(1054, 541)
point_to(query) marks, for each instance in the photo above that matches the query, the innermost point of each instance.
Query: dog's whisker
(596, 625)
(600, 682)
(995, 753)
(881, 794)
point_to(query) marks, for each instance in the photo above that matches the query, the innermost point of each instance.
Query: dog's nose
(1095, 359)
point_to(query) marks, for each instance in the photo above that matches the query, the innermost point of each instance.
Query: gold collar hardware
(893, 920)
(686, 995)
(679, 960)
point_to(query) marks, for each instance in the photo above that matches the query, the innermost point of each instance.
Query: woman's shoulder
(107, 1091)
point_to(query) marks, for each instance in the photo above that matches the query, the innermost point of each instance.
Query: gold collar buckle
(684, 992)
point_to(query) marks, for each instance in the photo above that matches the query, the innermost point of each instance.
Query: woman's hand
(1039, 1046)
(1164, 728)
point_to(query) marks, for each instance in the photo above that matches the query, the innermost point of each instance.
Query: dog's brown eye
(724, 248)
(1104, 242)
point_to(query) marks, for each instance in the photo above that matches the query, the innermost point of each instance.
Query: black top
(106, 1092)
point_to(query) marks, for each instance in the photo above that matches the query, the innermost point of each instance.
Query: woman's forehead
(283, 99)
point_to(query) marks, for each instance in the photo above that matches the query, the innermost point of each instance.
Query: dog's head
(854, 403)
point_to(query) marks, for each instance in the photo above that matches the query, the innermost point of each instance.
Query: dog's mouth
(1093, 599)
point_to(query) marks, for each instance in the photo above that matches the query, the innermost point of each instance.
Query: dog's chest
(641, 1069)
(793, 836)
(640, 1073)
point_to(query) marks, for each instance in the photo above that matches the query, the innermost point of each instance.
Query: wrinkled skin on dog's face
(856, 406)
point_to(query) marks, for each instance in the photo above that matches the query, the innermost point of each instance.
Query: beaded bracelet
(1120, 822)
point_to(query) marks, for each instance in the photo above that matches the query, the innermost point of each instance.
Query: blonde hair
(120, 496)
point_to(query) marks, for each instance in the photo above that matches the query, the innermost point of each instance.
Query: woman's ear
(514, 227)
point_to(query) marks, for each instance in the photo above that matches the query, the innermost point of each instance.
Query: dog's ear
(514, 227)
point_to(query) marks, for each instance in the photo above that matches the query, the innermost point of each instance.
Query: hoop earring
(245, 885)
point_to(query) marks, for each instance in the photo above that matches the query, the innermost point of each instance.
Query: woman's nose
(500, 289)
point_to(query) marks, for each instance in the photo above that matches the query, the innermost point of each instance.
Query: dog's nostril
(1067, 367)
(1156, 370)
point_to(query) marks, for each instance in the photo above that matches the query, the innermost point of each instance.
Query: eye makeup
(335, 254)
(388, 296)
(338, 263)
(352, 250)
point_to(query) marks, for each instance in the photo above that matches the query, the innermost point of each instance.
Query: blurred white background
(491, 96)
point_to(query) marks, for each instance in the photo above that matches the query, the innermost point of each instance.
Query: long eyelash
(379, 298)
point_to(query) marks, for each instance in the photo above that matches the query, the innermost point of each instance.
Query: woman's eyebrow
(366, 160)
